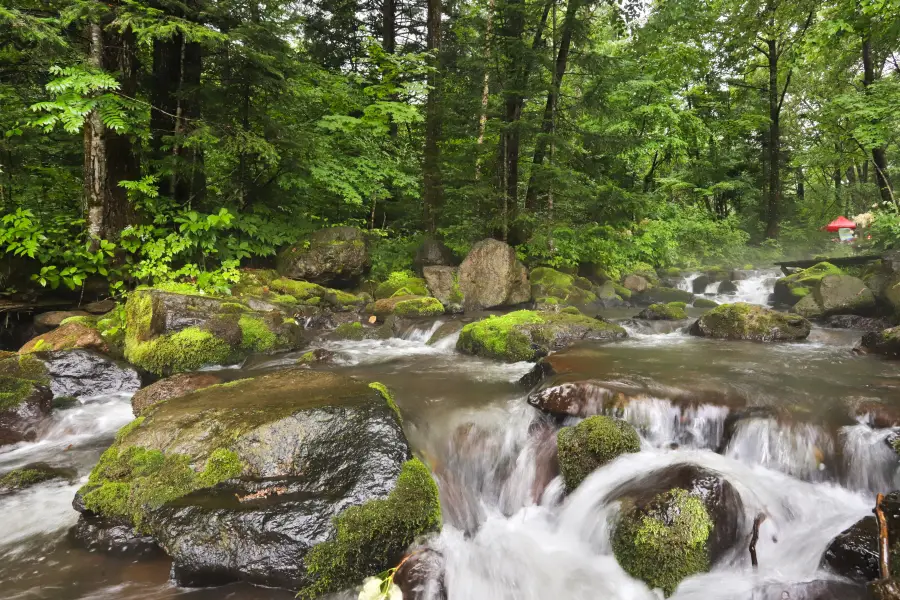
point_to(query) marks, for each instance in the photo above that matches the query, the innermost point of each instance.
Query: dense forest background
(146, 141)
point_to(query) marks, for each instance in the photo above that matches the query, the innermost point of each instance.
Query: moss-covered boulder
(33, 474)
(300, 479)
(25, 397)
(401, 283)
(47, 321)
(791, 289)
(175, 386)
(528, 334)
(549, 286)
(491, 276)
(335, 257)
(663, 295)
(66, 337)
(886, 342)
(705, 303)
(591, 444)
(836, 295)
(635, 284)
(409, 306)
(742, 321)
(263, 289)
(172, 333)
(675, 523)
(673, 311)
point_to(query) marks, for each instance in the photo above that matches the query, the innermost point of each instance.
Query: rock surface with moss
(401, 283)
(263, 289)
(592, 443)
(886, 343)
(175, 386)
(33, 474)
(675, 523)
(25, 397)
(172, 333)
(662, 295)
(673, 311)
(299, 479)
(66, 337)
(836, 295)
(443, 283)
(742, 321)
(791, 289)
(705, 303)
(528, 334)
(335, 257)
(563, 289)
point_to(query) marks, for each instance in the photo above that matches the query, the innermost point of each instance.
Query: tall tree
(432, 192)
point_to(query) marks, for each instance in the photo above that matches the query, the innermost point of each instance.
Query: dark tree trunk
(773, 148)
(190, 181)
(432, 190)
(389, 26)
(879, 157)
(549, 121)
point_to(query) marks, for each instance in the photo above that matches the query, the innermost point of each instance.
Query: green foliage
(401, 283)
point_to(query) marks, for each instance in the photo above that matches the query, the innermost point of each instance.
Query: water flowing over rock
(727, 287)
(335, 257)
(743, 321)
(491, 276)
(309, 472)
(25, 397)
(528, 335)
(854, 553)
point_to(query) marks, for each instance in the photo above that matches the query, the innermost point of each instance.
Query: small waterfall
(419, 333)
(870, 464)
(799, 449)
(662, 423)
(755, 288)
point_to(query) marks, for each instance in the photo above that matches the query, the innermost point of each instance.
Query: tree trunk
(549, 120)
(432, 191)
(486, 86)
(389, 26)
(773, 149)
(190, 181)
(879, 157)
(94, 148)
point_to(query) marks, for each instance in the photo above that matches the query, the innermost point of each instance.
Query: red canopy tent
(840, 223)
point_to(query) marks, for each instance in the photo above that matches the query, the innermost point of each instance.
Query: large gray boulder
(837, 295)
(335, 257)
(443, 283)
(742, 321)
(492, 276)
(298, 479)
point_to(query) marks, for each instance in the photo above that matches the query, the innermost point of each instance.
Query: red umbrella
(840, 223)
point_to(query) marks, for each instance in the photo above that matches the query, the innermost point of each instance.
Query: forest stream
(509, 530)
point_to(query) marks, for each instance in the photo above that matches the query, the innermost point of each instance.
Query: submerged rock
(854, 552)
(886, 343)
(743, 321)
(591, 444)
(33, 474)
(528, 334)
(171, 387)
(336, 257)
(25, 397)
(856, 322)
(673, 311)
(298, 479)
(172, 333)
(674, 524)
(491, 276)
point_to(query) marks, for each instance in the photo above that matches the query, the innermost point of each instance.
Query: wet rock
(433, 253)
(409, 306)
(113, 537)
(491, 276)
(675, 523)
(591, 444)
(318, 356)
(170, 333)
(44, 322)
(33, 474)
(791, 289)
(742, 274)
(445, 330)
(635, 283)
(335, 257)
(736, 417)
(663, 295)
(171, 387)
(83, 373)
(421, 575)
(67, 337)
(836, 294)
(727, 287)
(856, 322)
(705, 303)
(298, 479)
(25, 397)
(741, 321)
(100, 307)
(443, 283)
(552, 287)
(699, 284)
(854, 552)
(575, 399)
(401, 283)
(885, 589)
(528, 335)
(674, 311)
(877, 413)
(886, 343)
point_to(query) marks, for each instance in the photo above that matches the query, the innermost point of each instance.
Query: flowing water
(809, 458)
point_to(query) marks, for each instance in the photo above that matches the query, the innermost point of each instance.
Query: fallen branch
(754, 537)
(265, 493)
(883, 556)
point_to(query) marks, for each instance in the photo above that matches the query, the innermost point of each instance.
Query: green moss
(571, 310)
(388, 397)
(128, 482)
(646, 271)
(419, 307)
(80, 319)
(800, 284)
(18, 479)
(307, 358)
(233, 308)
(127, 429)
(256, 335)
(374, 536)
(301, 290)
(673, 311)
(742, 321)
(283, 299)
(549, 284)
(13, 391)
(456, 296)
(622, 291)
(591, 444)
(19, 374)
(349, 331)
(548, 300)
(550, 277)
(705, 303)
(665, 543)
(185, 350)
(681, 305)
(399, 281)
